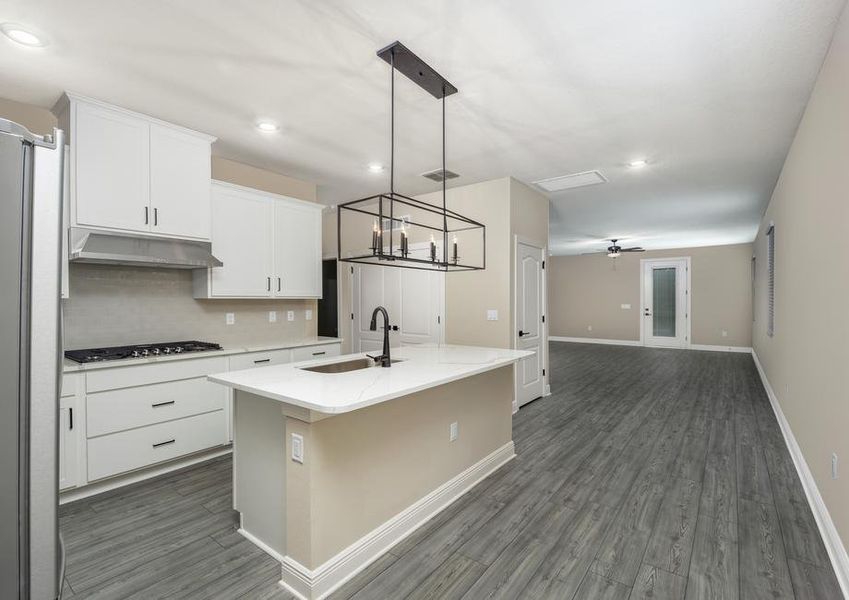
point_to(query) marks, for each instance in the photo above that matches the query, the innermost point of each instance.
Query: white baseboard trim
(580, 340)
(546, 391)
(710, 348)
(318, 583)
(704, 347)
(113, 483)
(833, 543)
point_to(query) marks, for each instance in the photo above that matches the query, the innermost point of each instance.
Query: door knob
(521, 333)
(394, 328)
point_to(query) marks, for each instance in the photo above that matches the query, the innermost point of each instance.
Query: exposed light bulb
(638, 164)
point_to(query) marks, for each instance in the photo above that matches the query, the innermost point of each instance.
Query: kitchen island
(337, 460)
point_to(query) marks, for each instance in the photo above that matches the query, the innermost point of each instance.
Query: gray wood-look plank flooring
(647, 473)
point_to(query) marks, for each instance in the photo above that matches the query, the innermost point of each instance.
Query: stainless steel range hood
(104, 247)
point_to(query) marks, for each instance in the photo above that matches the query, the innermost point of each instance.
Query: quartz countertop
(70, 366)
(421, 367)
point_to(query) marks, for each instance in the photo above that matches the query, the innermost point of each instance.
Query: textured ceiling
(709, 92)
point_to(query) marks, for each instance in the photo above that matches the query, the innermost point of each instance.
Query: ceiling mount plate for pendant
(417, 70)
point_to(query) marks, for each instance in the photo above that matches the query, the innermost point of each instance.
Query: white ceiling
(709, 92)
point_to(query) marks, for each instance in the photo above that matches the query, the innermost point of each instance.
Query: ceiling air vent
(436, 175)
(567, 182)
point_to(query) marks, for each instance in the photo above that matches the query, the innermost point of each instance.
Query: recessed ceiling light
(638, 164)
(376, 168)
(22, 35)
(267, 126)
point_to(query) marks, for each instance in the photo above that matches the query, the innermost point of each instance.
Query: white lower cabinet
(315, 352)
(117, 420)
(68, 444)
(117, 410)
(71, 437)
(128, 450)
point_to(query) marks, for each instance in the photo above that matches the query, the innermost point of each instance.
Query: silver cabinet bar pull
(318, 353)
(158, 404)
(146, 215)
(155, 217)
(71, 418)
(164, 443)
(263, 360)
(279, 284)
(268, 283)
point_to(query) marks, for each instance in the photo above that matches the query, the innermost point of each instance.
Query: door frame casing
(687, 292)
(546, 386)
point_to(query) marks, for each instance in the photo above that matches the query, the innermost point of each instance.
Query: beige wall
(805, 361)
(36, 119)
(469, 294)
(268, 181)
(362, 467)
(588, 291)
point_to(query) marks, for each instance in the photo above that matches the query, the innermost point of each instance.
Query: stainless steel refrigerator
(31, 561)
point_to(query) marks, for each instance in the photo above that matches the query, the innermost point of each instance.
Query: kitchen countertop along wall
(112, 306)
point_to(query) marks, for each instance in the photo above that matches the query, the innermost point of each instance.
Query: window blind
(770, 253)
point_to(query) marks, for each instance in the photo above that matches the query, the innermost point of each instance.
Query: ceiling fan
(614, 251)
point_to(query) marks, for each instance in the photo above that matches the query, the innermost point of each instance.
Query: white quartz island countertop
(419, 368)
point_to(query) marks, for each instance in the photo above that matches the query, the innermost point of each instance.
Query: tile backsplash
(112, 305)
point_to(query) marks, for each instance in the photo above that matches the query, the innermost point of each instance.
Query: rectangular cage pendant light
(391, 229)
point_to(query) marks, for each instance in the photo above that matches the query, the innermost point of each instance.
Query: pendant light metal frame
(402, 59)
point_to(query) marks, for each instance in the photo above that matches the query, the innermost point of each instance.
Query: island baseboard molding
(314, 584)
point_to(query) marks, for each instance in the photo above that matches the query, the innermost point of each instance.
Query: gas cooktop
(90, 355)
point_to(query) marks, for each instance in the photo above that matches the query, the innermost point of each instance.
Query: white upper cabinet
(179, 183)
(297, 250)
(242, 238)
(131, 172)
(270, 246)
(110, 153)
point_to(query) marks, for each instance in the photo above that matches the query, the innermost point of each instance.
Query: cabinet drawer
(260, 359)
(128, 450)
(99, 380)
(127, 408)
(310, 352)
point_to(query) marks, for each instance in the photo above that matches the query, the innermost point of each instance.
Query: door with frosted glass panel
(665, 310)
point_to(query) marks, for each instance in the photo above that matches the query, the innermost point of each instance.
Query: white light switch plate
(308, 314)
(491, 315)
(272, 316)
(298, 448)
(453, 431)
(626, 306)
(230, 318)
(290, 315)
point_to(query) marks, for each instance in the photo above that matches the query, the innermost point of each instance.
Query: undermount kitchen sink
(346, 365)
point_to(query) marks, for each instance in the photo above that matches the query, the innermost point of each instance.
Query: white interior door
(413, 299)
(421, 299)
(530, 381)
(665, 303)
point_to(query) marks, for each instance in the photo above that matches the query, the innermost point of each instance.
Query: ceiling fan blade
(596, 252)
(635, 249)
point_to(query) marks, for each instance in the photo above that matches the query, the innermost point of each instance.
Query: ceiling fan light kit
(615, 251)
(395, 230)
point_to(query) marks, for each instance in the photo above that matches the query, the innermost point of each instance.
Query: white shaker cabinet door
(242, 238)
(179, 183)
(297, 250)
(111, 162)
